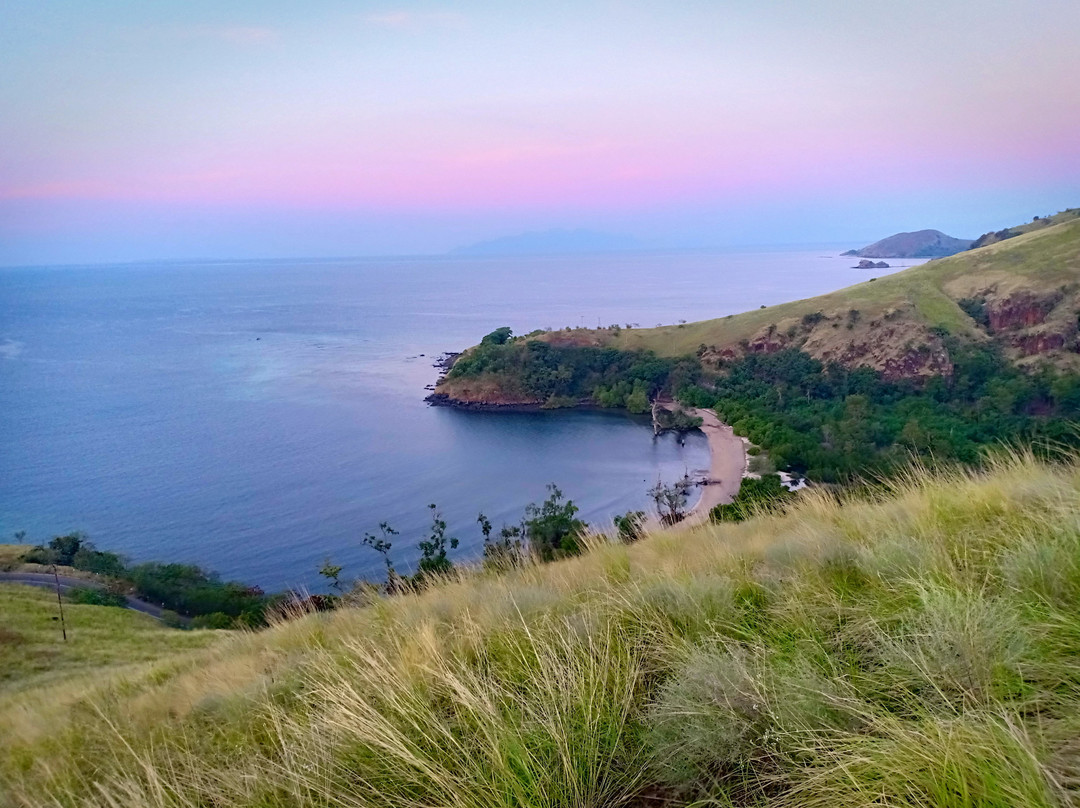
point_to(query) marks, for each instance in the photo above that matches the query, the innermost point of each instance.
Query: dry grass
(11, 555)
(919, 649)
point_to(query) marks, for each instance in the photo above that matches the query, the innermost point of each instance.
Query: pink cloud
(614, 172)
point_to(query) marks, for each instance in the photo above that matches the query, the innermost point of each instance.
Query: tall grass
(919, 647)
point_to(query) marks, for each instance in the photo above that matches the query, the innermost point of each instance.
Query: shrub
(96, 597)
(98, 562)
(630, 526)
(190, 590)
(434, 560)
(755, 495)
(217, 620)
(551, 527)
(733, 719)
(975, 308)
(39, 555)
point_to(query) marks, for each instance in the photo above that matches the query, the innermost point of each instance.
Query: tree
(485, 526)
(508, 550)
(500, 336)
(433, 558)
(671, 499)
(914, 435)
(382, 545)
(1066, 392)
(638, 400)
(65, 547)
(551, 527)
(332, 573)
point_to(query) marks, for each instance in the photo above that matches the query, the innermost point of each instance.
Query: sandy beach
(728, 461)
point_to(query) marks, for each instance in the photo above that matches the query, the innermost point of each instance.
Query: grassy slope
(11, 555)
(1044, 259)
(923, 649)
(33, 653)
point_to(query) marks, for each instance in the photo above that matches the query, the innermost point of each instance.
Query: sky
(177, 129)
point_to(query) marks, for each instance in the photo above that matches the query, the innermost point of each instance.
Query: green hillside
(1030, 282)
(917, 648)
(100, 639)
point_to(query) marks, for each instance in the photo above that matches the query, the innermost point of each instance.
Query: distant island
(550, 242)
(919, 244)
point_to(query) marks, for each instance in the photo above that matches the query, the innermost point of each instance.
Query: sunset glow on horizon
(263, 130)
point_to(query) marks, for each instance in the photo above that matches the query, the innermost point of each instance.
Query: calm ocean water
(258, 417)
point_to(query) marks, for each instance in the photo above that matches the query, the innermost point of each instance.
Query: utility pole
(60, 603)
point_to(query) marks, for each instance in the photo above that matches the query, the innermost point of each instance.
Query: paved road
(66, 584)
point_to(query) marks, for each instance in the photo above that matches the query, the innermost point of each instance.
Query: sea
(259, 417)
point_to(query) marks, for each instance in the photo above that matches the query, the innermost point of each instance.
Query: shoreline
(727, 464)
(727, 451)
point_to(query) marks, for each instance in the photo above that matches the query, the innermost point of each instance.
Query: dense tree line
(566, 376)
(834, 423)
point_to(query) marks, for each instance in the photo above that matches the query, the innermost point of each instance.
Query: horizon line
(447, 255)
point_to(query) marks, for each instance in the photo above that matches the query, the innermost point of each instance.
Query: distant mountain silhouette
(550, 242)
(920, 244)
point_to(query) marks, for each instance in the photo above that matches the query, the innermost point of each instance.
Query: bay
(258, 417)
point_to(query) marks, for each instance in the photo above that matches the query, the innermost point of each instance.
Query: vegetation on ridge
(1037, 223)
(1032, 282)
(918, 648)
(895, 324)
